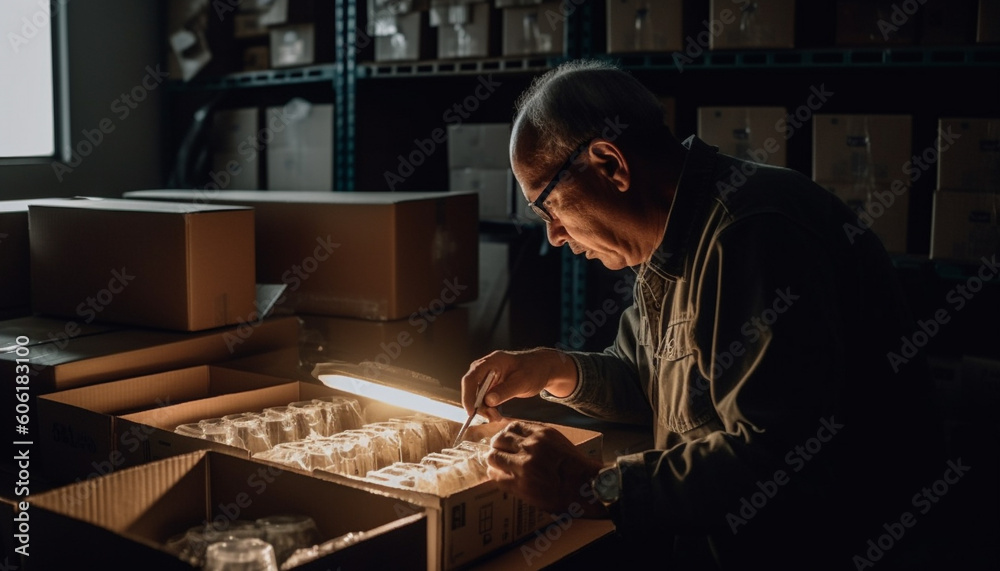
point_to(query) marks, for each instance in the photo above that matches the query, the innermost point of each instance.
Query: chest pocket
(685, 398)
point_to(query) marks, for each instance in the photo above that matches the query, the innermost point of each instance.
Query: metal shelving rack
(346, 71)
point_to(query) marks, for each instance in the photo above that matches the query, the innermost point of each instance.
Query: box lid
(125, 205)
(292, 196)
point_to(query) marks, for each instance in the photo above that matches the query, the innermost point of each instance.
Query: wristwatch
(607, 485)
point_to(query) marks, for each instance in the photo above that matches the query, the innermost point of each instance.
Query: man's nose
(555, 233)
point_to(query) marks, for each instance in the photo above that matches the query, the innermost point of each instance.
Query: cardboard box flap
(123, 205)
(292, 196)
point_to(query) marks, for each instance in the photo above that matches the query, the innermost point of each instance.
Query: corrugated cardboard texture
(371, 255)
(747, 133)
(174, 266)
(861, 148)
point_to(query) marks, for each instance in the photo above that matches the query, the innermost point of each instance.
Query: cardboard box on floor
(747, 133)
(76, 434)
(861, 148)
(123, 520)
(462, 527)
(372, 255)
(889, 220)
(964, 225)
(183, 267)
(120, 354)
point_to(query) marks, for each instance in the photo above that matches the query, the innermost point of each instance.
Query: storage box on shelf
(370, 255)
(964, 225)
(300, 153)
(749, 25)
(233, 152)
(969, 156)
(745, 132)
(529, 31)
(643, 26)
(183, 267)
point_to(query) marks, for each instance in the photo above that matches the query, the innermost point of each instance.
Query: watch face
(607, 485)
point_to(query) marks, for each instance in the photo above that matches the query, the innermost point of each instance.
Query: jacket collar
(687, 211)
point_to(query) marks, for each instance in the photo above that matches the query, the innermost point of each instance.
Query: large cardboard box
(643, 26)
(372, 255)
(861, 148)
(76, 433)
(300, 154)
(435, 343)
(15, 255)
(80, 360)
(184, 267)
(31, 330)
(531, 30)
(479, 145)
(883, 211)
(123, 520)
(753, 24)
(745, 132)
(969, 154)
(235, 149)
(494, 187)
(948, 22)
(463, 29)
(964, 225)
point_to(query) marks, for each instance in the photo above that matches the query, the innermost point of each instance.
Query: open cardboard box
(462, 527)
(122, 520)
(468, 524)
(76, 433)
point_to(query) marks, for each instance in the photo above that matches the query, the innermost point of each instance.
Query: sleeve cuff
(575, 396)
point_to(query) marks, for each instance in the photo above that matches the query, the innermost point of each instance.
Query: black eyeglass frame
(538, 205)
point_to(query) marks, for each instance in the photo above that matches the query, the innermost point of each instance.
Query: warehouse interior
(285, 133)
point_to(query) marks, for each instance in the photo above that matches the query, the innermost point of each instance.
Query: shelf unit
(370, 95)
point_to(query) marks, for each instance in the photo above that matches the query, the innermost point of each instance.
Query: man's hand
(521, 374)
(541, 466)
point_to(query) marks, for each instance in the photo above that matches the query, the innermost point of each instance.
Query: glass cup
(310, 419)
(287, 533)
(341, 413)
(249, 427)
(279, 425)
(240, 555)
(411, 436)
(305, 555)
(197, 539)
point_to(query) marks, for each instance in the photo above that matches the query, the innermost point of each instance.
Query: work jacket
(759, 349)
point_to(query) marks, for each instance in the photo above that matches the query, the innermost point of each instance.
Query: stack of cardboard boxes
(151, 321)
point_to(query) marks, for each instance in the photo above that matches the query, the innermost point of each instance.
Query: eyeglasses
(538, 205)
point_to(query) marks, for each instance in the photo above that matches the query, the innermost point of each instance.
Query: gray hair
(583, 99)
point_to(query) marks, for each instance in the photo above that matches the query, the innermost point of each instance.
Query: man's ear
(609, 161)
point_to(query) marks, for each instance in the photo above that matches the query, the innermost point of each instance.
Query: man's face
(582, 208)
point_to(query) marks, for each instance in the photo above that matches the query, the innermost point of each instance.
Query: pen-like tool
(484, 387)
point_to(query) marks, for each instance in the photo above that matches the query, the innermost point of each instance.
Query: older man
(756, 347)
